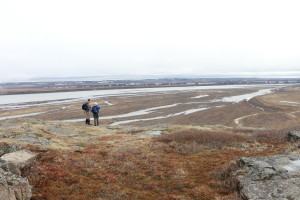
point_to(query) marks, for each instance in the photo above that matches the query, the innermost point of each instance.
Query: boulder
(13, 187)
(8, 149)
(269, 178)
(15, 161)
(294, 136)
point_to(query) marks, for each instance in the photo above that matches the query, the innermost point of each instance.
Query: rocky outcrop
(269, 178)
(13, 187)
(16, 161)
(8, 149)
(294, 136)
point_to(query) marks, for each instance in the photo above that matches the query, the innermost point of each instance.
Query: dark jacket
(88, 107)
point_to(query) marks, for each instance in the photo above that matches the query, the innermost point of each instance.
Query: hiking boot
(89, 122)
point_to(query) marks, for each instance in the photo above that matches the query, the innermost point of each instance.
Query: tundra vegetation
(193, 158)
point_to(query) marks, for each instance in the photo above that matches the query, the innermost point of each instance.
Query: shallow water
(233, 99)
(67, 97)
(290, 102)
(237, 121)
(83, 95)
(200, 96)
(186, 112)
(144, 112)
(108, 103)
(24, 115)
(140, 112)
(247, 96)
(149, 133)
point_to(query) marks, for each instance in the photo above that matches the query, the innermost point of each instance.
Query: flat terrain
(91, 84)
(200, 137)
(279, 109)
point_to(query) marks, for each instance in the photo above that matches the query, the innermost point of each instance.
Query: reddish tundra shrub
(273, 136)
(186, 164)
(216, 139)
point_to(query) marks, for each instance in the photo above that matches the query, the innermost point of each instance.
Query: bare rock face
(13, 187)
(15, 161)
(294, 136)
(8, 149)
(270, 178)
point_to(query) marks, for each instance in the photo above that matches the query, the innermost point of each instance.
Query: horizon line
(145, 77)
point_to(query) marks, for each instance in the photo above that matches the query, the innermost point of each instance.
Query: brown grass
(194, 137)
(225, 182)
(162, 168)
(270, 136)
(273, 136)
(183, 164)
(187, 162)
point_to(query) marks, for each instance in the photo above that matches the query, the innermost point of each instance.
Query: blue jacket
(95, 109)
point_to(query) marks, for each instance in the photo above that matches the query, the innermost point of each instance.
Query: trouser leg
(87, 117)
(96, 121)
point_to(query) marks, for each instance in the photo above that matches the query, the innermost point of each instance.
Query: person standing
(95, 111)
(86, 109)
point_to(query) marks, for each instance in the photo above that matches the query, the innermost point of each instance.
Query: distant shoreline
(53, 90)
(67, 86)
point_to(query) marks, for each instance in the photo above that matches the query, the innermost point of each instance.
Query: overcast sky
(63, 38)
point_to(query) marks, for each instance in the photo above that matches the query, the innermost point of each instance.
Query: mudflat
(278, 108)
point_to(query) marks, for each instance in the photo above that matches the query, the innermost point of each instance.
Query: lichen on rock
(269, 178)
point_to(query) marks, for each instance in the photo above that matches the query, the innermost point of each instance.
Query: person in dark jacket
(95, 111)
(87, 109)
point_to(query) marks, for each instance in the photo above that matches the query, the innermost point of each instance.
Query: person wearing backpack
(86, 109)
(95, 111)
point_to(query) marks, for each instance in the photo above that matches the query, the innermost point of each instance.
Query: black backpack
(84, 107)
